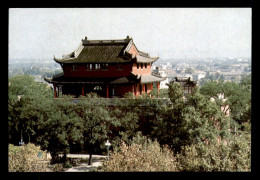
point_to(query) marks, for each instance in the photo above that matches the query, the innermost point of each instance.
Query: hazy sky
(169, 32)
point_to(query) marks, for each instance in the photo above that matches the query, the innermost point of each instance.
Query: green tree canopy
(28, 103)
(62, 128)
(238, 97)
(190, 119)
(96, 121)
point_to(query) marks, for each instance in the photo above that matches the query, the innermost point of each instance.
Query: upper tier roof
(105, 51)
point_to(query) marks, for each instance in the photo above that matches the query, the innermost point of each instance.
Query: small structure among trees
(187, 84)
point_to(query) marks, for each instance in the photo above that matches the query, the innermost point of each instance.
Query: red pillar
(135, 89)
(107, 91)
(83, 90)
(55, 92)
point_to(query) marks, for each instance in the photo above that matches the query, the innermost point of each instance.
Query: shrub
(141, 155)
(27, 158)
(233, 156)
(58, 167)
(67, 165)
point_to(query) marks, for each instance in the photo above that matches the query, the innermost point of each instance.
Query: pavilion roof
(105, 51)
(185, 80)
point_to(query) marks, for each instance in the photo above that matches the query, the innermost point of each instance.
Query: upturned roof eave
(61, 60)
(143, 59)
(150, 79)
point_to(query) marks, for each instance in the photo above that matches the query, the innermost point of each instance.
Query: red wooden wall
(112, 71)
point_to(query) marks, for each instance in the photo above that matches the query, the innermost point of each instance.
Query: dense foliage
(141, 154)
(28, 158)
(192, 127)
(29, 103)
(231, 155)
(238, 97)
(61, 128)
(96, 121)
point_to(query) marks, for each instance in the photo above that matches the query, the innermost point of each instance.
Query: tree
(190, 120)
(234, 154)
(212, 89)
(238, 98)
(151, 110)
(37, 118)
(246, 82)
(143, 113)
(62, 128)
(245, 85)
(168, 129)
(28, 103)
(125, 123)
(34, 116)
(96, 121)
(206, 120)
(140, 154)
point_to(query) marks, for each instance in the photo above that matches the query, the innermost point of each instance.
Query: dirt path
(84, 167)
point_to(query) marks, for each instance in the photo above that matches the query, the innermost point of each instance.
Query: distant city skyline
(170, 33)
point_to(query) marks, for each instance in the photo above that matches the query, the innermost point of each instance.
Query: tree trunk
(90, 159)
(90, 155)
(64, 158)
(91, 148)
(54, 157)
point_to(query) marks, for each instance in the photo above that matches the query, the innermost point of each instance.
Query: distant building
(161, 73)
(166, 66)
(232, 75)
(184, 75)
(110, 68)
(197, 75)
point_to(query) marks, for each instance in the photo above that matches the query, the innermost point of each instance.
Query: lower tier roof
(143, 79)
